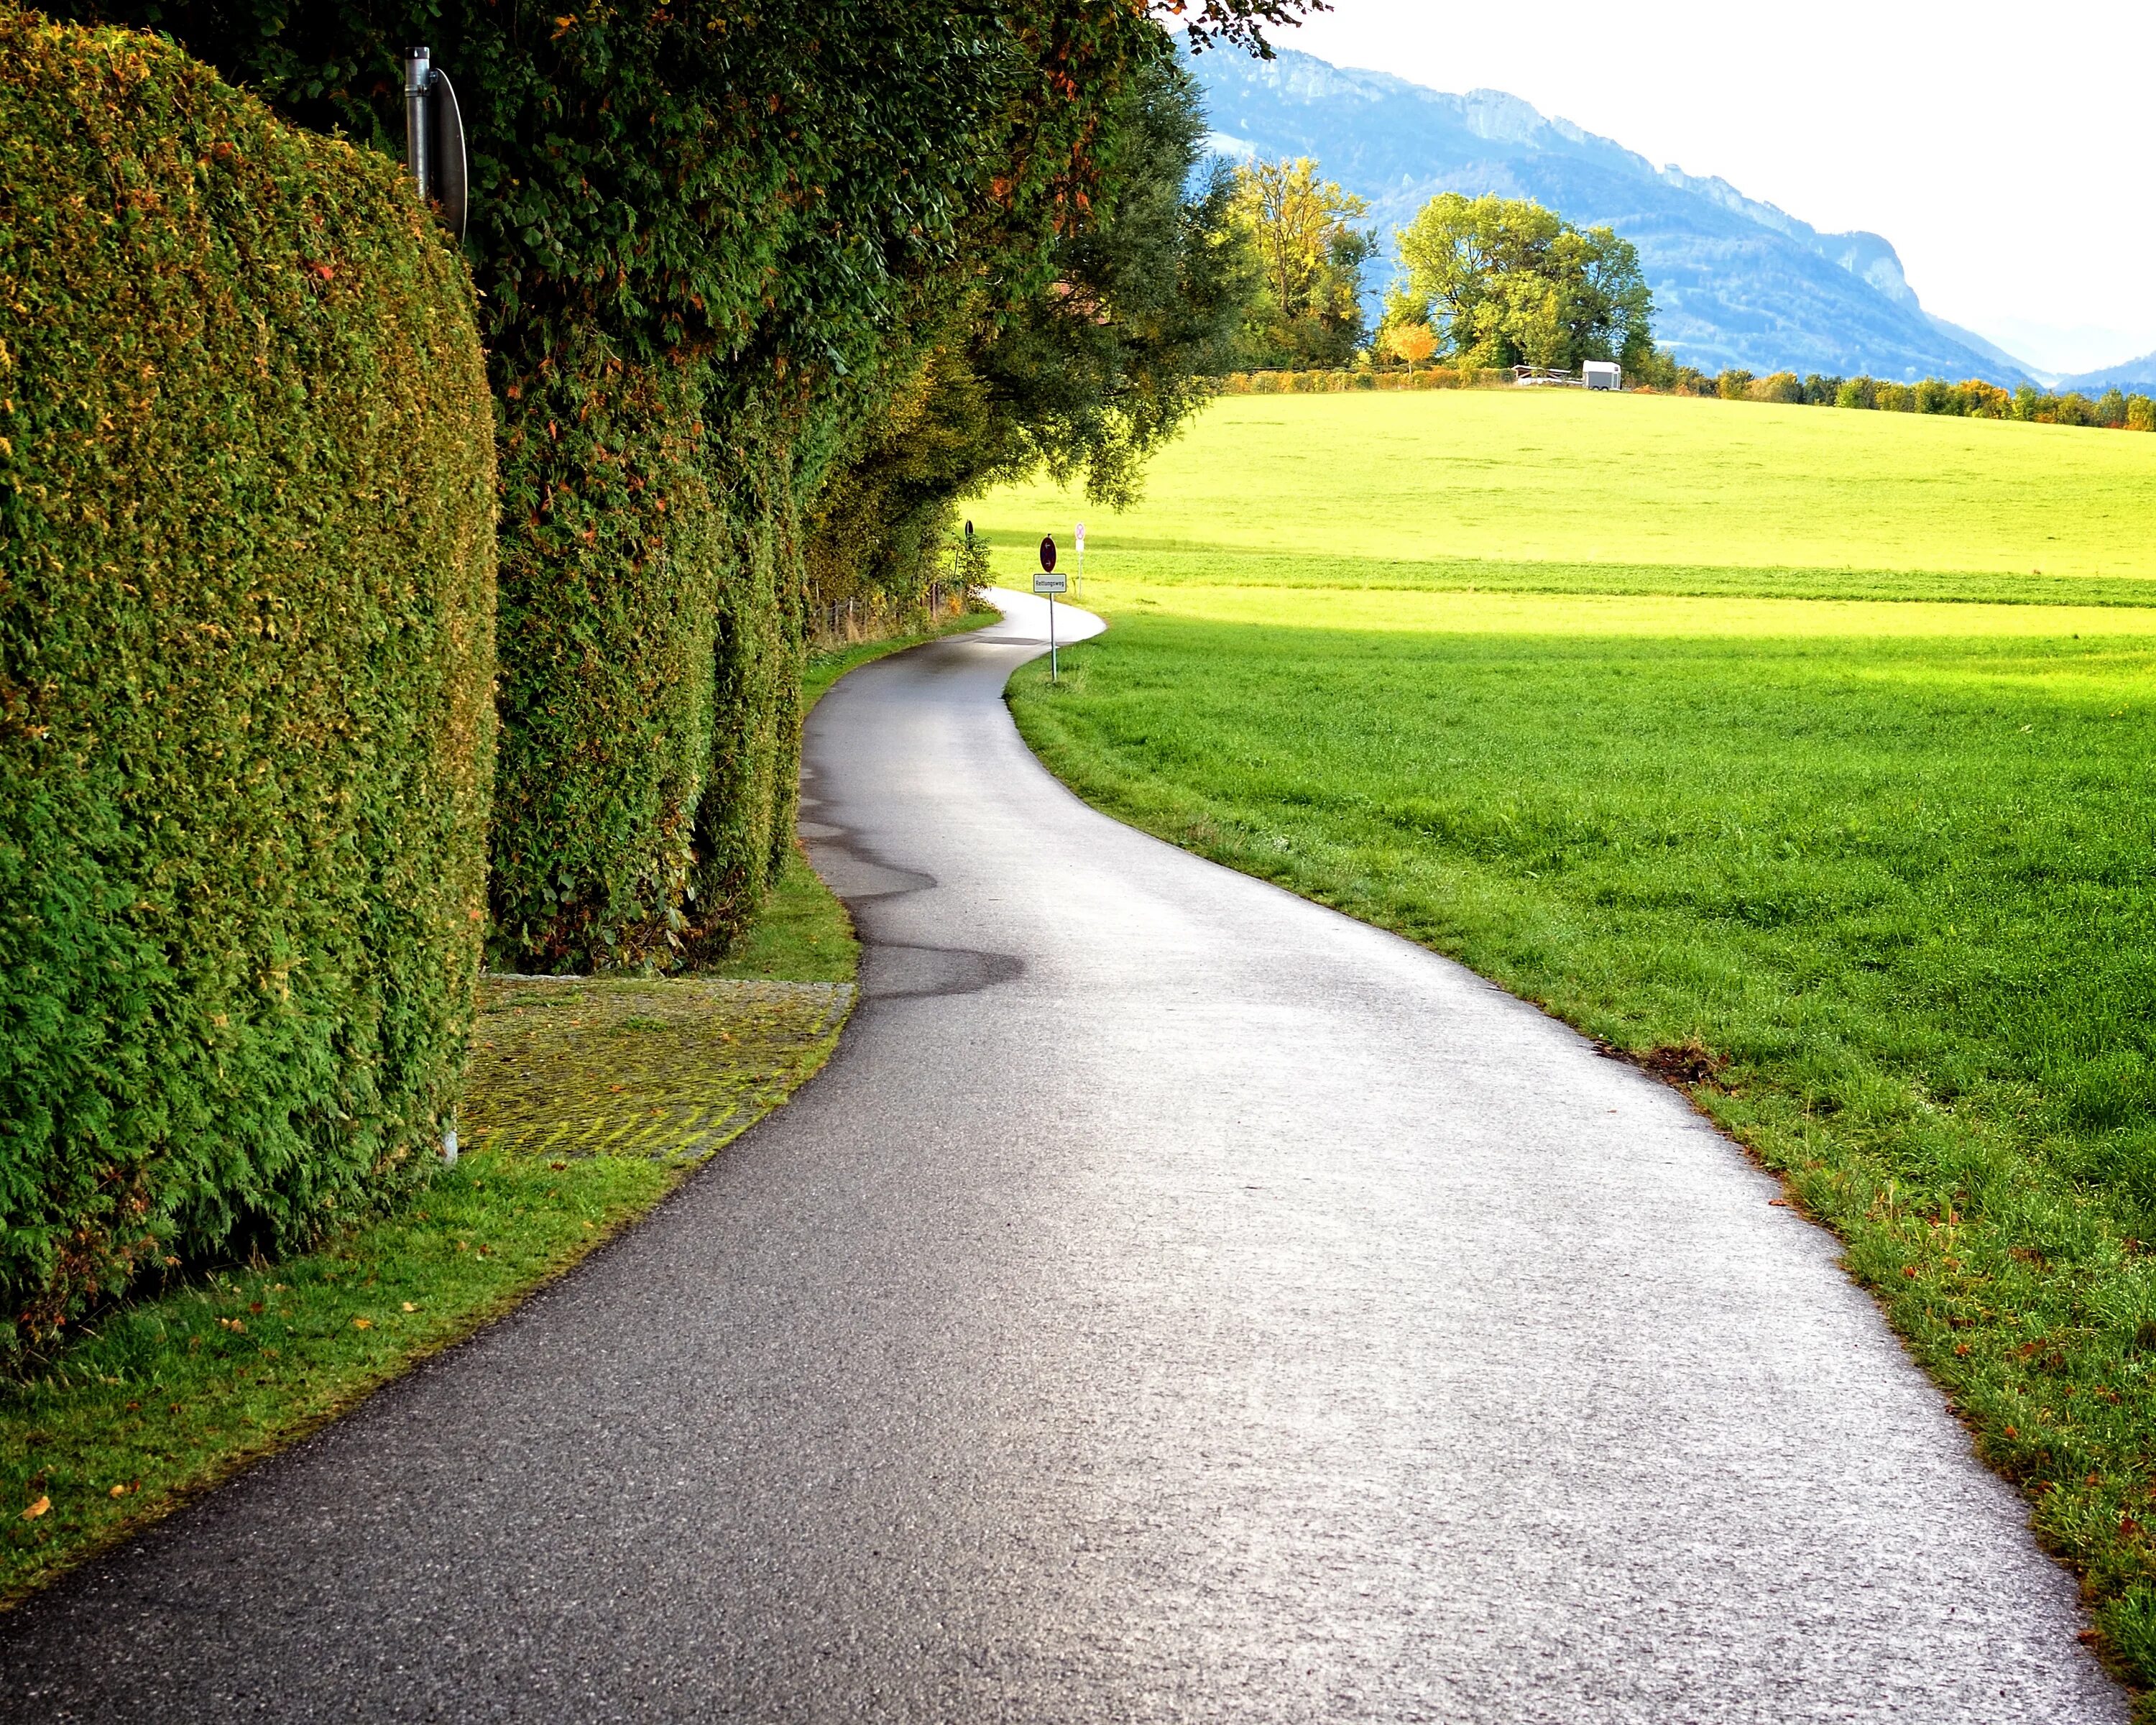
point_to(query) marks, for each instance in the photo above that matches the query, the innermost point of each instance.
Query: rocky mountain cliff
(1736, 282)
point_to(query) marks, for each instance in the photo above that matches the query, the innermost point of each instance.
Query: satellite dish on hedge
(435, 140)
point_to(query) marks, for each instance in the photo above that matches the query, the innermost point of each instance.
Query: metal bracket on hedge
(434, 140)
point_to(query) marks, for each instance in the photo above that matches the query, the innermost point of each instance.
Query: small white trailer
(1602, 374)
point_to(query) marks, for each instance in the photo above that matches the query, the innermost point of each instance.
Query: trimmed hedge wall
(612, 535)
(247, 561)
(650, 645)
(707, 241)
(1342, 382)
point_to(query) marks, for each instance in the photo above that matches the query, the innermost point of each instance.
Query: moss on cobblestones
(667, 1070)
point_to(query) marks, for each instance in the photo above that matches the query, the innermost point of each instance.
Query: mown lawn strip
(1807, 760)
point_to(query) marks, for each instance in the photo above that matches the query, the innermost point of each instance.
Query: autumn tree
(1504, 281)
(1411, 342)
(1302, 230)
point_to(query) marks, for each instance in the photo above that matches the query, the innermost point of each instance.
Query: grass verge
(589, 1101)
(1863, 858)
(1888, 907)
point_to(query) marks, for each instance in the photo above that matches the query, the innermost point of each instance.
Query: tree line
(1973, 398)
(1484, 282)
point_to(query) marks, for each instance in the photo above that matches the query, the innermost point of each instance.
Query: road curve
(1175, 1303)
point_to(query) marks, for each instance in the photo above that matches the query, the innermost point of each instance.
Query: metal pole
(418, 73)
(1054, 673)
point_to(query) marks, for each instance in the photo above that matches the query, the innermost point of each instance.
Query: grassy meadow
(1805, 756)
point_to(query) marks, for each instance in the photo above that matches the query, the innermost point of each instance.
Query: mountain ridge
(2138, 374)
(1737, 282)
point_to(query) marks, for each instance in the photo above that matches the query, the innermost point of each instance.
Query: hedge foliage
(1339, 382)
(651, 705)
(716, 249)
(247, 563)
(1973, 398)
(708, 243)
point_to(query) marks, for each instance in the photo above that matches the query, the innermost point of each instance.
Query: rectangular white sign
(1043, 583)
(1081, 538)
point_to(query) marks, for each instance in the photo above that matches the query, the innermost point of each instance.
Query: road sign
(1082, 539)
(1050, 583)
(434, 153)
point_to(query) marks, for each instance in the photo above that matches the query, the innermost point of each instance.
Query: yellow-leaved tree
(1412, 342)
(1301, 229)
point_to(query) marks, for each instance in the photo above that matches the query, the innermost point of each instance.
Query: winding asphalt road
(1174, 1302)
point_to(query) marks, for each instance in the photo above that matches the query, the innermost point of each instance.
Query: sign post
(435, 140)
(1081, 558)
(1050, 583)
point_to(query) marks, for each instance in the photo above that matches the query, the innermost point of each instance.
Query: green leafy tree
(1310, 257)
(1505, 282)
(1092, 376)
(1085, 379)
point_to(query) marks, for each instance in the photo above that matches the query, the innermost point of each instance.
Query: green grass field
(1807, 754)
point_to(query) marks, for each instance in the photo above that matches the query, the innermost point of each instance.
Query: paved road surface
(1175, 1303)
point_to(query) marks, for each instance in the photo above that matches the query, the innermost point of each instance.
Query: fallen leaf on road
(37, 1509)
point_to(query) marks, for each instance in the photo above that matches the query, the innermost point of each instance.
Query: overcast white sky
(2006, 150)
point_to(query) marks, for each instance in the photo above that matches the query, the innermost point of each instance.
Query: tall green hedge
(247, 563)
(649, 681)
(612, 540)
(700, 233)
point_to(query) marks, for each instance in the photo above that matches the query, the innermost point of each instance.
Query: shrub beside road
(247, 562)
(590, 1099)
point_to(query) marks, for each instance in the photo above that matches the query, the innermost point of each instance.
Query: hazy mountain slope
(2009, 365)
(2136, 376)
(1736, 282)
